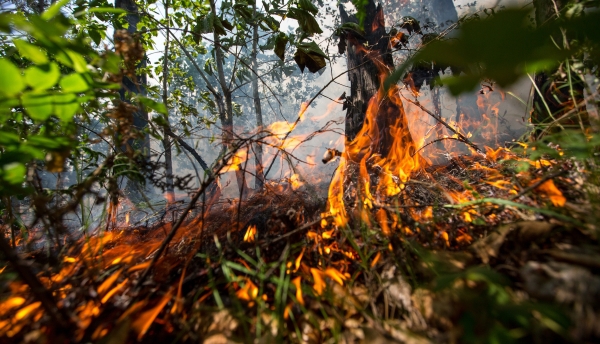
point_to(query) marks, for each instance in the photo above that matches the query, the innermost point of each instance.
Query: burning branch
(460, 136)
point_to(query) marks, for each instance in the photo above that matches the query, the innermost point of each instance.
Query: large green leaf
(66, 106)
(11, 81)
(42, 77)
(74, 83)
(53, 10)
(14, 173)
(30, 51)
(306, 21)
(310, 55)
(38, 106)
(308, 6)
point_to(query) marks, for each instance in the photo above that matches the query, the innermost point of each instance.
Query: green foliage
(311, 56)
(44, 84)
(503, 47)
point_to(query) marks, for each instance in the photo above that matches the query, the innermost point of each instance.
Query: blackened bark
(369, 62)
(364, 74)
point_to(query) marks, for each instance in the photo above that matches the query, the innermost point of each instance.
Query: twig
(434, 141)
(299, 229)
(60, 316)
(461, 137)
(538, 183)
(306, 105)
(205, 184)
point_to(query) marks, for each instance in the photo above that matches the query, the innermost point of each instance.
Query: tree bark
(166, 140)
(136, 85)
(258, 152)
(364, 55)
(226, 116)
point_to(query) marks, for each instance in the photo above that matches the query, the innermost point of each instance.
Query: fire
(295, 181)
(235, 162)
(395, 160)
(250, 235)
(549, 189)
(248, 292)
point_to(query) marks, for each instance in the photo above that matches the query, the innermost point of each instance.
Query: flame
(248, 292)
(144, 320)
(295, 181)
(250, 235)
(549, 189)
(234, 163)
(297, 282)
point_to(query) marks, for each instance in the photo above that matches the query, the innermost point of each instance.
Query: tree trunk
(364, 54)
(226, 117)
(166, 141)
(136, 85)
(258, 152)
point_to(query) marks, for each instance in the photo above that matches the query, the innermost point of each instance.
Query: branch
(461, 137)
(189, 148)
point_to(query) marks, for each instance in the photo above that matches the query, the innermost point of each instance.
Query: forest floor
(478, 250)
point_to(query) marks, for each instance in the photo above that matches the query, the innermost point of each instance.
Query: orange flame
(250, 235)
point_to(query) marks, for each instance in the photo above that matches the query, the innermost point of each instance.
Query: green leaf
(53, 10)
(42, 77)
(11, 81)
(271, 23)
(66, 106)
(74, 83)
(308, 6)
(31, 52)
(243, 10)
(79, 63)
(281, 41)
(361, 10)
(14, 173)
(306, 21)
(106, 10)
(311, 56)
(39, 107)
(154, 105)
(95, 36)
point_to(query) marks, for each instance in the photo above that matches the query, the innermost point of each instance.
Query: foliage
(504, 47)
(46, 82)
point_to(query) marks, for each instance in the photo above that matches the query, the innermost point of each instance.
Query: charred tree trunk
(370, 61)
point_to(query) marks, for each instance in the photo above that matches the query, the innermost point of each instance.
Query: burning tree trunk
(369, 62)
(380, 150)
